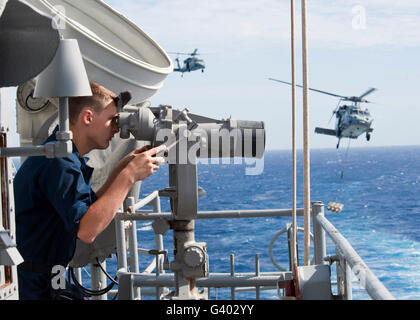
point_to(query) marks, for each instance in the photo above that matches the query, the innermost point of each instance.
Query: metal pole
(78, 275)
(151, 198)
(347, 282)
(183, 233)
(294, 227)
(121, 245)
(224, 280)
(102, 279)
(94, 279)
(306, 160)
(128, 204)
(132, 246)
(23, 151)
(232, 273)
(98, 279)
(320, 250)
(63, 114)
(267, 213)
(157, 290)
(159, 247)
(340, 270)
(257, 274)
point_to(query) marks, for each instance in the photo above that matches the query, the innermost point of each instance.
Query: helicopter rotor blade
(320, 91)
(179, 53)
(186, 54)
(335, 110)
(382, 104)
(367, 92)
(331, 117)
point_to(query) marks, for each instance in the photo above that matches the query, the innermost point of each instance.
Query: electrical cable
(87, 291)
(106, 273)
(32, 109)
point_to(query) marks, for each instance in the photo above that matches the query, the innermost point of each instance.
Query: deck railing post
(159, 246)
(257, 274)
(121, 245)
(232, 273)
(98, 279)
(340, 270)
(320, 250)
(348, 287)
(132, 243)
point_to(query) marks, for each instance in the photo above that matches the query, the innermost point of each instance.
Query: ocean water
(380, 190)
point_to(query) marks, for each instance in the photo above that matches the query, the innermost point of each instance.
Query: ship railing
(348, 261)
(135, 283)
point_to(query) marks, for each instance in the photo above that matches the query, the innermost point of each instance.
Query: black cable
(87, 291)
(32, 109)
(106, 273)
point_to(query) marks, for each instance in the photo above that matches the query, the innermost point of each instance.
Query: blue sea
(380, 190)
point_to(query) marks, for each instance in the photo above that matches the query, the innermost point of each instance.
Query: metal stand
(190, 257)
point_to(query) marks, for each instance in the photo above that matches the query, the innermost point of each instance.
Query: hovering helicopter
(351, 120)
(191, 63)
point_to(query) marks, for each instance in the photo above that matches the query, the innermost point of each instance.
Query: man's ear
(87, 116)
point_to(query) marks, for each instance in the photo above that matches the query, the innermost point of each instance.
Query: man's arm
(134, 167)
(116, 171)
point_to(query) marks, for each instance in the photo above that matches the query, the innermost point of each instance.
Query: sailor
(54, 201)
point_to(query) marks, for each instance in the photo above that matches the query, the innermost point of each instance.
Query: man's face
(104, 126)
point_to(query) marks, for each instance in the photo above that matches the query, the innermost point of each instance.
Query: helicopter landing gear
(367, 136)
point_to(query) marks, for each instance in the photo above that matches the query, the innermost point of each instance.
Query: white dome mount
(116, 53)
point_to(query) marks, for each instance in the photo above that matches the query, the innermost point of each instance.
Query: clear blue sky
(353, 46)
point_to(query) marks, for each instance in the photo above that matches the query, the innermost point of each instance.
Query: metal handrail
(267, 213)
(220, 280)
(368, 280)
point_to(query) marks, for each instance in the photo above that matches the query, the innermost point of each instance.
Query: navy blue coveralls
(51, 196)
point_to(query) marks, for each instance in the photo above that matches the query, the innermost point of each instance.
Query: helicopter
(351, 120)
(190, 64)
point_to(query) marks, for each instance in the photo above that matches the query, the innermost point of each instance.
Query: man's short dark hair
(98, 101)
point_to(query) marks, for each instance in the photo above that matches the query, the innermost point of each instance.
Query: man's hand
(142, 154)
(137, 165)
(142, 161)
